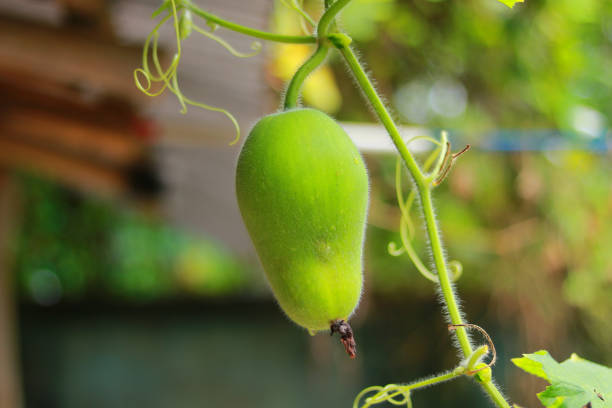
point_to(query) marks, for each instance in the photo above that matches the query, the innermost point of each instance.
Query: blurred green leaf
(576, 382)
(72, 246)
(361, 17)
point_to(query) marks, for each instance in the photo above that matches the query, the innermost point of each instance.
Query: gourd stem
(295, 85)
(264, 35)
(423, 186)
(328, 18)
(317, 58)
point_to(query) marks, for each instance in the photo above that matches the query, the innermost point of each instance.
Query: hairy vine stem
(424, 190)
(424, 187)
(423, 182)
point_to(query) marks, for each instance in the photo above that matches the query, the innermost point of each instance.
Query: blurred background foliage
(73, 246)
(477, 64)
(532, 230)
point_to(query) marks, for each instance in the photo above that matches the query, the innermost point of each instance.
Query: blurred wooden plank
(69, 57)
(77, 173)
(10, 383)
(90, 7)
(24, 89)
(70, 135)
(17, 87)
(43, 11)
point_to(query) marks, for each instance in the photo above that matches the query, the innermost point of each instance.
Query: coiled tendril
(148, 76)
(407, 230)
(400, 394)
(392, 393)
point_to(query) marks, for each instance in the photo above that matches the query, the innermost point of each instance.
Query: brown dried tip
(346, 336)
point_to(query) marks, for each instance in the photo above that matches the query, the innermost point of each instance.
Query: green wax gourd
(302, 188)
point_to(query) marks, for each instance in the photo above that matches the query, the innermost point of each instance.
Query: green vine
(435, 169)
(251, 32)
(295, 85)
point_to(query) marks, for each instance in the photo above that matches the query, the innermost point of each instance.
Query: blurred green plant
(545, 218)
(72, 247)
(542, 64)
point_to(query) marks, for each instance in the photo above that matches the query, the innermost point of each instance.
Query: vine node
(470, 369)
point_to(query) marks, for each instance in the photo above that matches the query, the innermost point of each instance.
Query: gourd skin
(302, 188)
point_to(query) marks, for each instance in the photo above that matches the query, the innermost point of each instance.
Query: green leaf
(575, 382)
(532, 367)
(511, 3)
